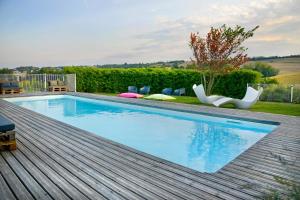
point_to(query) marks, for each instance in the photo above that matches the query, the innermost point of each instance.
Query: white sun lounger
(250, 98)
(200, 93)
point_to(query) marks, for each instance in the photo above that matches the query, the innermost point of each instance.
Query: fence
(39, 82)
(279, 92)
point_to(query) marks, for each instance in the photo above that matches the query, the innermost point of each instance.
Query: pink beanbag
(130, 95)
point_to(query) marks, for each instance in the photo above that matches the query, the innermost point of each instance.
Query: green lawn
(261, 106)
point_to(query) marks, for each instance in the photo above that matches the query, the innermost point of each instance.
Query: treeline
(6, 71)
(58, 70)
(260, 58)
(175, 64)
(33, 70)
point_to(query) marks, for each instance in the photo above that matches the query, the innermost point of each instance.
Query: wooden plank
(5, 192)
(60, 180)
(35, 189)
(283, 170)
(264, 181)
(80, 189)
(13, 181)
(44, 181)
(271, 157)
(93, 183)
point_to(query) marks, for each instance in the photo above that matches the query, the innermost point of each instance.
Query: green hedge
(92, 79)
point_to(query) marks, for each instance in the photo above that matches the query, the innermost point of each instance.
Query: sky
(88, 32)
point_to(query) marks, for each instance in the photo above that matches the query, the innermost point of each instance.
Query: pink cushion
(130, 95)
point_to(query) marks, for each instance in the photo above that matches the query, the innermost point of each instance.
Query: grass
(261, 106)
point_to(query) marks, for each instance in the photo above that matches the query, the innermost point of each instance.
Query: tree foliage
(6, 71)
(92, 79)
(266, 69)
(220, 52)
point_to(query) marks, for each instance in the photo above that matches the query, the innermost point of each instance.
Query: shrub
(266, 69)
(269, 81)
(276, 93)
(280, 93)
(234, 84)
(92, 79)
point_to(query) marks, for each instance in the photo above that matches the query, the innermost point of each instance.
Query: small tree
(266, 69)
(220, 52)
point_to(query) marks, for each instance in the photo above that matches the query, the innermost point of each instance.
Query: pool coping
(287, 125)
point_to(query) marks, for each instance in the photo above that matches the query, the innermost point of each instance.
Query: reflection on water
(202, 143)
(213, 143)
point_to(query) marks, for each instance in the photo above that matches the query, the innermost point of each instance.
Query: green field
(292, 78)
(261, 106)
(289, 69)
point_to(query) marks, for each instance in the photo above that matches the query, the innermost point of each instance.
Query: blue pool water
(200, 142)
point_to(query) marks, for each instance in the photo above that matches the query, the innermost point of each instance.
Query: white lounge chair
(200, 93)
(250, 98)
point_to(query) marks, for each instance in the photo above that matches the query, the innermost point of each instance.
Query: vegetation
(174, 64)
(6, 71)
(266, 69)
(28, 69)
(290, 185)
(267, 80)
(48, 70)
(220, 52)
(293, 190)
(91, 79)
(262, 58)
(280, 93)
(267, 107)
(293, 78)
(289, 67)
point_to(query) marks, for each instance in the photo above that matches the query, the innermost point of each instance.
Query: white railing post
(292, 93)
(45, 82)
(75, 83)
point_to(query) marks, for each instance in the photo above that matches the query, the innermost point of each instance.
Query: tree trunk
(210, 84)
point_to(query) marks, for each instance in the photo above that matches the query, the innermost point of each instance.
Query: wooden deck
(58, 161)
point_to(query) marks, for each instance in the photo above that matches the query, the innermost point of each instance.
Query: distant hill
(289, 67)
(263, 58)
(175, 64)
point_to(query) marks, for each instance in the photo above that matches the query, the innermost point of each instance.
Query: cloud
(120, 31)
(279, 22)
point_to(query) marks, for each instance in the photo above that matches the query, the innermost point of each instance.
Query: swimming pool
(201, 142)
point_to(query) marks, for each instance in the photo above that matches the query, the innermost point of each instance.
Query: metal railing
(279, 92)
(40, 82)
